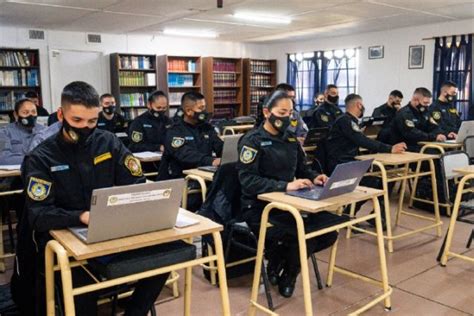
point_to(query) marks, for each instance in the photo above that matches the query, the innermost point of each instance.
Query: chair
(469, 148)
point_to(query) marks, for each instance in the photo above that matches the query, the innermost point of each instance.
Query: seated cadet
(444, 110)
(18, 135)
(59, 177)
(318, 99)
(109, 119)
(346, 133)
(33, 97)
(301, 129)
(148, 131)
(272, 160)
(191, 140)
(412, 123)
(388, 110)
(327, 112)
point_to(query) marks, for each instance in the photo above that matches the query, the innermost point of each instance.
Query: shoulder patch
(177, 142)
(133, 165)
(38, 189)
(291, 139)
(101, 158)
(453, 111)
(409, 123)
(432, 121)
(137, 136)
(294, 123)
(436, 115)
(248, 154)
(324, 118)
(355, 127)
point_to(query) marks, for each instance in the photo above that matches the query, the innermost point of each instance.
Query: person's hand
(399, 148)
(298, 184)
(216, 162)
(84, 217)
(452, 135)
(321, 179)
(440, 138)
(162, 148)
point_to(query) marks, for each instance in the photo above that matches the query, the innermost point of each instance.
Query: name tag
(147, 125)
(59, 168)
(100, 124)
(189, 138)
(206, 136)
(267, 143)
(101, 158)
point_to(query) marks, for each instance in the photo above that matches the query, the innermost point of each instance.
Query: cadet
(272, 160)
(148, 131)
(17, 136)
(33, 97)
(412, 124)
(59, 176)
(301, 129)
(388, 110)
(327, 112)
(444, 110)
(191, 140)
(109, 119)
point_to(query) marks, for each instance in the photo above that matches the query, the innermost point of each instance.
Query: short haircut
(285, 87)
(351, 98)
(423, 91)
(19, 104)
(397, 94)
(190, 98)
(155, 95)
(317, 95)
(79, 93)
(449, 84)
(331, 86)
(106, 95)
(31, 94)
(272, 99)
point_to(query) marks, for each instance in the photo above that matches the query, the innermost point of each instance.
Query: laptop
(372, 125)
(128, 210)
(344, 179)
(229, 153)
(315, 135)
(466, 129)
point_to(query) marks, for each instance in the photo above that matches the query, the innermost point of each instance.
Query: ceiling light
(262, 18)
(190, 33)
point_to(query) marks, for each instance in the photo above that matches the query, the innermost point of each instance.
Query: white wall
(378, 77)
(18, 37)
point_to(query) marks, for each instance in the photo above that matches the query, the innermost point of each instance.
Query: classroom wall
(377, 77)
(18, 37)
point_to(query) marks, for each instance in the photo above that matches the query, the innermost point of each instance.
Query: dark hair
(106, 95)
(352, 97)
(449, 84)
(19, 104)
(191, 96)
(331, 86)
(397, 94)
(285, 87)
(79, 92)
(155, 95)
(423, 91)
(31, 94)
(274, 97)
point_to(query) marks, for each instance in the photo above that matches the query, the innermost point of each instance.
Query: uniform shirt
(59, 178)
(345, 139)
(190, 146)
(115, 125)
(385, 111)
(325, 115)
(148, 133)
(446, 115)
(44, 134)
(16, 139)
(267, 163)
(412, 126)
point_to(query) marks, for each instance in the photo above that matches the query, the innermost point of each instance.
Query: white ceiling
(310, 18)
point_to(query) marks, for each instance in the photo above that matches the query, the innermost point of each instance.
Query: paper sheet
(184, 221)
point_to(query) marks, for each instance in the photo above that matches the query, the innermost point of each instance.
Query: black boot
(274, 270)
(287, 281)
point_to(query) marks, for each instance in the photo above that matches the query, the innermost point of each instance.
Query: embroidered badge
(177, 142)
(409, 123)
(137, 136)
(247, 155)
(436, 115)
(133, 165)
(324, 118)
(38, 189)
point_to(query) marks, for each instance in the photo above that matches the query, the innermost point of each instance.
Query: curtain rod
(434, 37)
(358, 47)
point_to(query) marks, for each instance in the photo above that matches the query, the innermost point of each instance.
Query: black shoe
(274, 270)
(371, 222)
(286, 284)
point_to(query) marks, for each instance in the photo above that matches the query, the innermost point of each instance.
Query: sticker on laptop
(343, 183)
(138, 197)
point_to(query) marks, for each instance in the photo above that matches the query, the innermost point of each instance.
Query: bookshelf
(177, 75)
(133, 78)
(222, 86)
(259, 80)
(19, 73)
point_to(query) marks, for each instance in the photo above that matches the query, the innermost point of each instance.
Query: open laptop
(131, 210)
(344, 179)
(466, 129)
(372, 125)
(229, 153)
(315, 135)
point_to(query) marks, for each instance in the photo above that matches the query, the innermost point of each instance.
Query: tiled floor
(421, 286)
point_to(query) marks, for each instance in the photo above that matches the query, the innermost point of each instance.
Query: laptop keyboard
(82, 232)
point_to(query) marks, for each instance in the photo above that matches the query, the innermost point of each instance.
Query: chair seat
(143, 259)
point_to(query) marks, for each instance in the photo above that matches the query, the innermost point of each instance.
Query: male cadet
(444, 110)
(326, 113)
(148, 131)
(109, 119)
(190, 141)
(33, 97)
(348, 138)
(412, 124)
(59, 176)
(301, 129)
(388, 110)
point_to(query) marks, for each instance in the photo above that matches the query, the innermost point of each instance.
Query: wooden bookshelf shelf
(259, 81)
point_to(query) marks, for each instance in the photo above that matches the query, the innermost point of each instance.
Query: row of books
(255, 95)
(225, 96)
(131, 78)
(180, 80)
(8, 99)
(17, 59)
(260, 81)
(174, 98)
(224, 66)
(260, 66)
(135, 62)
(225, 80)
(134, 99)
(130, 114)
(223, 112)
(181, 65)
(21, 77)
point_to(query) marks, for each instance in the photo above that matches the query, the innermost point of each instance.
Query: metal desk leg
(221, 273)
(386, 200)
(434, 188)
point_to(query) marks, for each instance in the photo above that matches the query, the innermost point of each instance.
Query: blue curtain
(291, 71)
(303, 75)
(453, 62)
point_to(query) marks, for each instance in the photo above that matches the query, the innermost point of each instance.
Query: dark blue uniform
(325, 115)
(147, 132)
(446, 115)
(115, 125)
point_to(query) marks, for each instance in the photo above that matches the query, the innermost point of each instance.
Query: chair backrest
(452, 160)
(469, 146)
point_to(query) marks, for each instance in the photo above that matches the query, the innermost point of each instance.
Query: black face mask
(333, 99)
(27, 121)
(318, 103)
(201, 117)
(109, 109)
(451, 98)
(421, 108)
(157, 114)
(362, 111)
(78, 135)
(280, 123)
